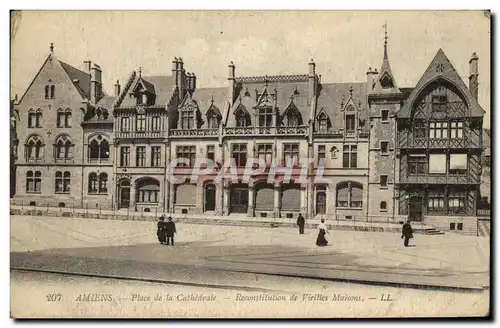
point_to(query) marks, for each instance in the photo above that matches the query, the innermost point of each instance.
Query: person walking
(160, 232)
(301, 222)
(170, 230)
(322, 231)
(407, 232)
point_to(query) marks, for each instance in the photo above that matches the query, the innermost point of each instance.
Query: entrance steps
(433, 231)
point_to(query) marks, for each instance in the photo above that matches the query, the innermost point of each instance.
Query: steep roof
(385, 82)
(161, 86)
(206, 98)
(249, 92)
(441, 68)
(334, 97)
(79, 78)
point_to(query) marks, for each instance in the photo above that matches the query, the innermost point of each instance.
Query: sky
(343, 44)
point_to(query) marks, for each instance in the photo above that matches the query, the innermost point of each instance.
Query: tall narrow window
(384, 147)
(125, 124)
(62, 182)
(350, 123)
(350, 156)
(291, 154)
(211, 152)
(125, 156)
(155, 156)
(383, 181)
(322, 123)
(239, 154)
(155, 123)
(419, 129)
(38, 118)
(189, 155)
(141, 122)
(93, 183)
(31, 119)
(438, 130)
(456, 202)
(103, 183)
(52, 91)
(47, 92)
(187, 119)
(67, 118)
(321, 154)
(60, 118)
(384, 115)
(140, 156)
(33, 182)
(265, 116)
(265, 152)
(63, 148)
(213, 120)
(456, 130)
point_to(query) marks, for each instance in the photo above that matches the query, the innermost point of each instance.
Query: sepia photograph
(250, 164)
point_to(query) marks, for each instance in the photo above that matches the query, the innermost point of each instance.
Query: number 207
(54, 297)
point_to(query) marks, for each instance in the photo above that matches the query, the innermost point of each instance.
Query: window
(439, 103)
(438, 130)
(292, 120)
(187, 118)
(33, 182)
(125, 124)
(36, 119)
(350, 156)
(140, 156)
(63, 148)
(437, 163)
(460, 226)
(291, 154)
(141, 98)
(417, 164)
(140, 121)
(211, 152)
(384, 147)
(188, 153)
(383, 181)
(98, 149)
(213, 120)
(125, 156)
(31, 119)
(349, 194)
(435, 204)
(321, 154)
(240, 154)
(67, 118)
(242, 119)
(148, 191)
(456, 202)
(47, 88)
(52, 92)
(383, 206)
(93, 183)
(384, 115)
(34, 149)
(155, 156)
(155, 123)
(452, 225)
(456, 130)
(458, 164)
(60, 119)
(266, 116)
(103, 183)
(350, 123)
(322, 123)
(265, 152)
(63, 181)
(419, 129)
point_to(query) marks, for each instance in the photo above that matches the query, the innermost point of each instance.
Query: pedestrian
(301, 223)
(170, 229)
(160, 232)
(321, 240)
(407, 233)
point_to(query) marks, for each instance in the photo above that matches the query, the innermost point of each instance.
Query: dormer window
(322, 123)
(293, 120)
(242, 120)
(350, 123)
(212, 120)
(266, 116)
(386, 82)
(187, 119)
(142, 98)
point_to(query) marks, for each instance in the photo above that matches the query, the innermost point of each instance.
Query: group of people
(406, 234)
(166, 230)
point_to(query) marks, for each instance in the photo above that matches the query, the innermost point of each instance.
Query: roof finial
(140, 71)
(212, 101)
(385, 41)
(266, 80)
(350, 90)
(51, 47)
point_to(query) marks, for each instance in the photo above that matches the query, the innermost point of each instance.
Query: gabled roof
(161, 85)
(146, 86)
(387, 75)
(75, 74)
(441, 68)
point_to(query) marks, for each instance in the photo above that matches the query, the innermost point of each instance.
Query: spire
(385, 83)
(385, 41)
(140, 71)
(51, 47)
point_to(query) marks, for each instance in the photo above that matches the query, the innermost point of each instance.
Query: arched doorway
(209, 197)
(238, 198)
(124, 194)
(320, 200)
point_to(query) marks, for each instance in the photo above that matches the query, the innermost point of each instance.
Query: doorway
(239, 198)
(416, 208)
(209, 204)
(124, 194)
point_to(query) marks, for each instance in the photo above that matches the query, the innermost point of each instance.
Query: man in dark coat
(301, 223)
(160, 232)
(407, 232)
(170, 230)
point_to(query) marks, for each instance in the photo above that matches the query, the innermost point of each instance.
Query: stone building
(386, 151)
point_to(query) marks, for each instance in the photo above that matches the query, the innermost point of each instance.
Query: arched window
(103, 183)
(98, 149)
(148, 191)
(383, 206)
(67, 118)
(63, 148)
(47, 92)
(38, 118)
(93, 183)
(323, 122)
(60, 118)
(31, 118)
(213, 120)
(52, 91)
(34, 148)
(350, 194)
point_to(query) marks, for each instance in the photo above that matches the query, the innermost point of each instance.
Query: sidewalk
(232, 256)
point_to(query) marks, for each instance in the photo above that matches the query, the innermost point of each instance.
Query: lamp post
(407, 197)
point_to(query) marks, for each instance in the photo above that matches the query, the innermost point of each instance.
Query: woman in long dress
(321, 240)
(161, 230)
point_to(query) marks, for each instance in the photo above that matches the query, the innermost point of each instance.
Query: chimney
(231, 82)
(117, 89)
(370, 79)
(474, 75)
(175, 66)
(95, 84)
(189, 82)
(181, 78)
(193, 82)
(88, 65)
(312, 78)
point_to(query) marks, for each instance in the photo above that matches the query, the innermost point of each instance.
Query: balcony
(439, 179)
(194, 133)
(437, 143)
(139, 134)
(301, 130)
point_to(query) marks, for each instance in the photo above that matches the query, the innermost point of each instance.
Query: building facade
(382, 151)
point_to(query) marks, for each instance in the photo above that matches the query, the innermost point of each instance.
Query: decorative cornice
(275, 78)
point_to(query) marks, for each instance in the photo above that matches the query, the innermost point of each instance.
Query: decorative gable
(291, 115)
